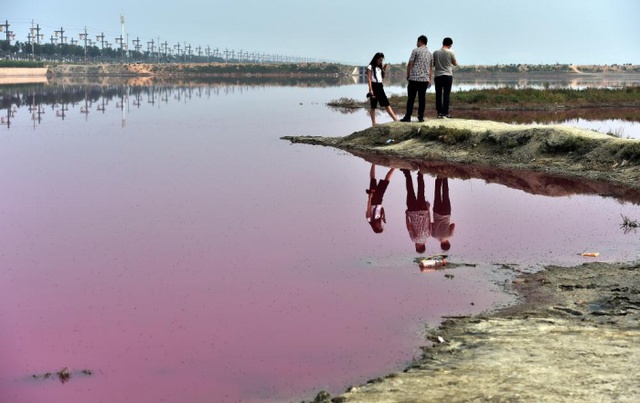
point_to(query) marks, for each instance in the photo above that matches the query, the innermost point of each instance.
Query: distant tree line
(541, 68)
(77, 53)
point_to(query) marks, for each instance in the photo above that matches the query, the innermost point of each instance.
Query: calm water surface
(170, 243)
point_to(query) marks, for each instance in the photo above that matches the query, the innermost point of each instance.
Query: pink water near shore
(192, 256)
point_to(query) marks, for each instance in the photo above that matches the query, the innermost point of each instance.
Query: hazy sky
(351, 31)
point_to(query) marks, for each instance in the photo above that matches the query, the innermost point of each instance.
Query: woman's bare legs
(373, 117)
(390, 112)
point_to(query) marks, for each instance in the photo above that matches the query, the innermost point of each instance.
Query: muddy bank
(575, 335)
(554, 150)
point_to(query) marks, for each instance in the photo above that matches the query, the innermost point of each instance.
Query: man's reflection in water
(375, 212)
(442, 228)
(417, 214)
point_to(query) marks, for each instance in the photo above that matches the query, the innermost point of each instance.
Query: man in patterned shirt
(419, 75)
(417, 214)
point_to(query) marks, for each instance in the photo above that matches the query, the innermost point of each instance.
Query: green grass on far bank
(527, 98)
(323, 69)
(20, 63)
(531, 96)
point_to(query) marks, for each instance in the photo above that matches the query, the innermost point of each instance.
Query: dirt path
(575, 69)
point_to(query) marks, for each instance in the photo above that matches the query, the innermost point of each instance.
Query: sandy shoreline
(574, 337)
(575, 334)
(18, 75)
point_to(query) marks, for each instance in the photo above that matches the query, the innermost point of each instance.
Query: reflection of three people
(417, 215)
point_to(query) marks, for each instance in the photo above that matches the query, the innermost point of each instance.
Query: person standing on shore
(375, 74)
(444, 61)
(419, 75)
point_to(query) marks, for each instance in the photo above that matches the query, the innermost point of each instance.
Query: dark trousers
(415, 202)
(441, 202)
(420, 88)
(443, 92)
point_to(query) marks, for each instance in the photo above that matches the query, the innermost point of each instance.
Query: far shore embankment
(23, 75)
(165, 70)
(549, 73)
(29, 74)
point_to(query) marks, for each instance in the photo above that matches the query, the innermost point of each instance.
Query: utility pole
(101, 39)
(30, 40)
(62, 37)
(136, 44)
(85, 36)
(120, 41)
(178, 48)
(150, 47)
(38, 35)
(6, 26)
(33, 36)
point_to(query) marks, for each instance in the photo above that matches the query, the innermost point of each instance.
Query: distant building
(359, 71)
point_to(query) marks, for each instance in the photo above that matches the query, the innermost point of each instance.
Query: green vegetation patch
(630, 152)
(510, 139)
(556, 144)
(444, 134)
(20, 63)
(269, 69)
(523, 97)
(529, 98)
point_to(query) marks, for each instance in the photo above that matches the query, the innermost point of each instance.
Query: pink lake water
(172, 244)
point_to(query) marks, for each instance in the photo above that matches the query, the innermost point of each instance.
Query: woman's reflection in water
(417, 214)
(442, 228)
(375, 212)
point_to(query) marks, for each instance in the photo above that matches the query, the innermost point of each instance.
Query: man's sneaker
(447, 116)
(440, 116)
(420, 120)
(405, 119)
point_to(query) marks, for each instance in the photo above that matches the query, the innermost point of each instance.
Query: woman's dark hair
(376, 225)
(374, 64)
